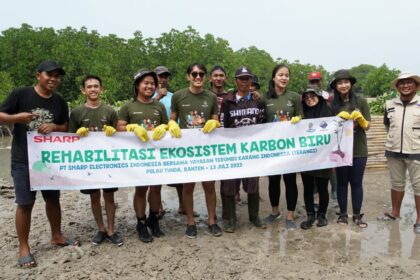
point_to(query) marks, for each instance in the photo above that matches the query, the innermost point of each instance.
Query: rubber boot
(230, 208)
(322, 220)
(142, 230)
(153, 223)
(309, 221)
(253, 210)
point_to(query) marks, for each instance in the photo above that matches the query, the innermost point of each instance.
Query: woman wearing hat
(315, 106)
(351, 106)
(139, 116)
(282, 105)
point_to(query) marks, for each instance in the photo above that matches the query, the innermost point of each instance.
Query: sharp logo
(55, 139)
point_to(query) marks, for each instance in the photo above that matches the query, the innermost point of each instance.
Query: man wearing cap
(196, 107)
(402, 148)
(162, 94)
(241, 109)
(38, 109)
(315, 78)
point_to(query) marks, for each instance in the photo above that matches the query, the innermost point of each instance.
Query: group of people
(154, 108)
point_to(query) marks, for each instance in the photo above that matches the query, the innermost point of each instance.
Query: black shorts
(91, 191)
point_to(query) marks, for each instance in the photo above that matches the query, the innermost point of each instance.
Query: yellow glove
(109, 130)
(295, 120)
(344, 115)
(357, 116)
(174, 129)
(82, 132)
(211, 125)
(159, 131)
(139, 131)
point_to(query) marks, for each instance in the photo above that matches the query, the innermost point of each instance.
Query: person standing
(351, 106)
(163, 95)
(38, 108)
(196, 107)
(315, 106)
(402, 148)
(240, 109)
(315, 78)
(282, 105)
(93, 115)
(140, 115)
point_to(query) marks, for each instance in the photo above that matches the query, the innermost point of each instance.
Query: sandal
(357, 219)
(387, 217)
(417, 228)
(343, 219)
(67, 242)
(27, 261)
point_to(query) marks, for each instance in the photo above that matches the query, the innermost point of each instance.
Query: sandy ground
(382, 251)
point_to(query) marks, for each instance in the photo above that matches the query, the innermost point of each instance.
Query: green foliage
(360, 72)
(6, 85)
(115, 60)
(379, 80)
(299, 74)
(377, 106)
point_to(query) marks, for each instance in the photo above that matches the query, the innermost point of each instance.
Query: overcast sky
(333, 33)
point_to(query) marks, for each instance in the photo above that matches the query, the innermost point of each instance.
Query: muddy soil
(385, 250)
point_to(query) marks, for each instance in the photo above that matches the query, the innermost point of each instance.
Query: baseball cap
(255, 81)
(161, 70)
(314, 75)
(50, 65)
(243, 72)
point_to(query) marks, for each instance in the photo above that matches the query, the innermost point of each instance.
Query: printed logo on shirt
(156, 112)
(280, 116)
(148, 124)
(137, 113)
(185, 105)
(289, 103)
(41, 116)
(195, 119)
(205, 104)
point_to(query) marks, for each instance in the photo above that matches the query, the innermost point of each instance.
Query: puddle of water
(336, 244)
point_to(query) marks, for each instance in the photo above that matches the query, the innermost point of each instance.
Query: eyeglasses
(406, 82)
(309, 96)
(195, 74)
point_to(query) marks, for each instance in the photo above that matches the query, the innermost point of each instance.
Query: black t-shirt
(48, 110)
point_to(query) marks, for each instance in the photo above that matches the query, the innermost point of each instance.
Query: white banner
(65, 161)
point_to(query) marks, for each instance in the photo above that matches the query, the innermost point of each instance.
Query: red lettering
(55, 139)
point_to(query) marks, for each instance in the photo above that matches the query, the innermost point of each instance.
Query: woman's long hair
(271, 86)
(338, 102)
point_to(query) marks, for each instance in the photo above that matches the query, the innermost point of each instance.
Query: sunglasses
(195, 74)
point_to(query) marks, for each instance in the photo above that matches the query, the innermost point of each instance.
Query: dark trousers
(291, 190)
(309, 183)
(354, 176)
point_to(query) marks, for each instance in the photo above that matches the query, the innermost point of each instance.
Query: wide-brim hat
(403, 76)
(140, 74)
(342, 74)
